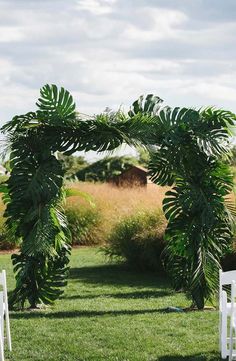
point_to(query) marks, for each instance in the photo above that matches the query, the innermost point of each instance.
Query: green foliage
(83, 223)
(106, 168)
(186, 146)
(138, 239)
(33, 210)
(71, 164)
(7, 166)
(146, 106)
(55, 106)
(34, 189)
(232, 159)
(39, 280)
(3, 178)
(188, 152)
(143, 156)
(7, 239)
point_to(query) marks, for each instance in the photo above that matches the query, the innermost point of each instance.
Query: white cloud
(213, 90)
(96, 7)
(162, 24)
(10, 34)
(7, 68)
(107, 53)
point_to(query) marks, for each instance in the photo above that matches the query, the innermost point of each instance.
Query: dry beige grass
(115, 203)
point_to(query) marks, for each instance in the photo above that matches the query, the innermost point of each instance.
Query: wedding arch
(188, 150)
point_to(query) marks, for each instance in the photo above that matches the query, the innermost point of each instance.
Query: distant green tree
(7, 166)
(233, 156)
(143, 156)
(71, 164)
(106, 168)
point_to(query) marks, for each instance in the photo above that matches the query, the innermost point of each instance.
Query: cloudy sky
(108, 52)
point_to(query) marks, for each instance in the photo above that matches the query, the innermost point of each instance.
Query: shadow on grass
(127, 295)
(118, 275)
(200, 357)
(80, 313)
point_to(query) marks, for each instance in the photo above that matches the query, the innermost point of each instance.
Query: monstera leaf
(148, 105)
(55, 106)
(39, 280)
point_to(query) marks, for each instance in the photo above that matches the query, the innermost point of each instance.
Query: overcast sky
(108, 52)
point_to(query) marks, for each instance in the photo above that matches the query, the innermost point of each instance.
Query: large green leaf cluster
(188, 149)
(34, 189)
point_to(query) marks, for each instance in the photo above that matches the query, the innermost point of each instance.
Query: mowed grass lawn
(111, 313)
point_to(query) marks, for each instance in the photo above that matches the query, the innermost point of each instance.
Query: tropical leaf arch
(186, 148)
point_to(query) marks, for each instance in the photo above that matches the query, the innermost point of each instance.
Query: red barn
(135, 176)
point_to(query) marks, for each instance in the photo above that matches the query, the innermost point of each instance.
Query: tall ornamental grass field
(93, 215)
(114, 203)
(84, 224)
(138, 240)
(104, 209)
